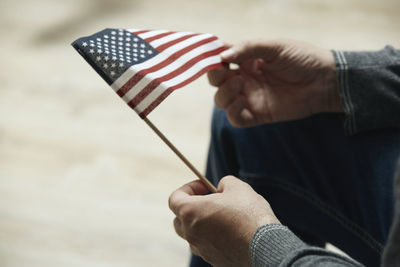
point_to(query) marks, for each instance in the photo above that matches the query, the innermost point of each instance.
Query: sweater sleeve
(369, 87)
(276, 245)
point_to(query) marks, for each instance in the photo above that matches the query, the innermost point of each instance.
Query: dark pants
(324, 186)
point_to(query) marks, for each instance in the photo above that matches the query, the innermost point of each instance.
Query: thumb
(266, 50)
(228, 183)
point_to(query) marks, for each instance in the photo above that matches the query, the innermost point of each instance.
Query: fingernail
(227, 53)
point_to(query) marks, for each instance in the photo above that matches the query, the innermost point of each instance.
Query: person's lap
(325, 186)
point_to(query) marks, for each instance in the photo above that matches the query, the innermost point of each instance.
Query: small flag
(145, 66)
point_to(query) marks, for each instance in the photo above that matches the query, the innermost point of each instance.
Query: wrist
(328, 98)
(330, 91)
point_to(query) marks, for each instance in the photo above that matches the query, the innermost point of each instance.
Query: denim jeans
(325, 186)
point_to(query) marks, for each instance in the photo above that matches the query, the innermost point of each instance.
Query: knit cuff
(271, 244)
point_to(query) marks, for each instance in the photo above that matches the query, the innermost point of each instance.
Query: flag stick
(205, 181)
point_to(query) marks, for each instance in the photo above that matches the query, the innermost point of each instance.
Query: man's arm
(276, 245)
(236, 227)
(369, 87)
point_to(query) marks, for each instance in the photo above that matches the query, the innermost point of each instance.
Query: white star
(142, 56)
(84, 44)
(113, 33)
(99, 51)
(128, 39)
(121, 65)
(112, 73)
(142, 51)
(127, 49)
(114, 58)
(91, 51)
(120, 38)
(106, 36)
(135, 39)
(142, 46)
(105, 66)
(92, 45)
(106, 58)
(98, 58)
(134, 59)
(121, 32)
(135, 50)
(150, 52)
(120, 43)
(135, 55)
(134, 45)
(113, 65)
(98, 39)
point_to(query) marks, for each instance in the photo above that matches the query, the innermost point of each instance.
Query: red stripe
(139, 32)
(171, 43)
(139, 75)
(156, 82)
(158, 36)
(156, 102)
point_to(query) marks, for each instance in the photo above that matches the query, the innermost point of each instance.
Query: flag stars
(149, 52)
(106, 58)
(105, 65)
(121, 65)
(91, 51)
(142, 45)
(99, 51)
(98, 58)
(113, 65)
(112, 73)
(84, 44)
(113, 33)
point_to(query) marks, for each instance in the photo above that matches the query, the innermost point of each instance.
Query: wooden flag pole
(206, 182)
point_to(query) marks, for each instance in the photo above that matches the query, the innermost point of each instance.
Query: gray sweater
(369, 86)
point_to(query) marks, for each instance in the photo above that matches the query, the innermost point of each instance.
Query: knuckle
(185, 214)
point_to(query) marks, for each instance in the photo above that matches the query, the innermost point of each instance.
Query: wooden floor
(83, 181)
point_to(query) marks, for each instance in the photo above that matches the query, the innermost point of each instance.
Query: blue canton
(112, 51)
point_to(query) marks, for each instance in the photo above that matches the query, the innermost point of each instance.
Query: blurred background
(83, 181)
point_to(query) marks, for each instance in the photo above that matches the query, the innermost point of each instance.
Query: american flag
(145, 66)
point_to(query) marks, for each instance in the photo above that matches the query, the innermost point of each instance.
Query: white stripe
(171, 67)
(129, 73)
(151, 33)
(156, 43)
(178, 79)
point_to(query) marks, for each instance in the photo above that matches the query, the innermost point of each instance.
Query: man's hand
(276, 81)
(219, 226)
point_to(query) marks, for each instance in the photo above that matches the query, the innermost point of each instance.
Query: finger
(237, 113)
(266, 50)
(227, 93)
(178, 227)
(217, 76)
(184, 192)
